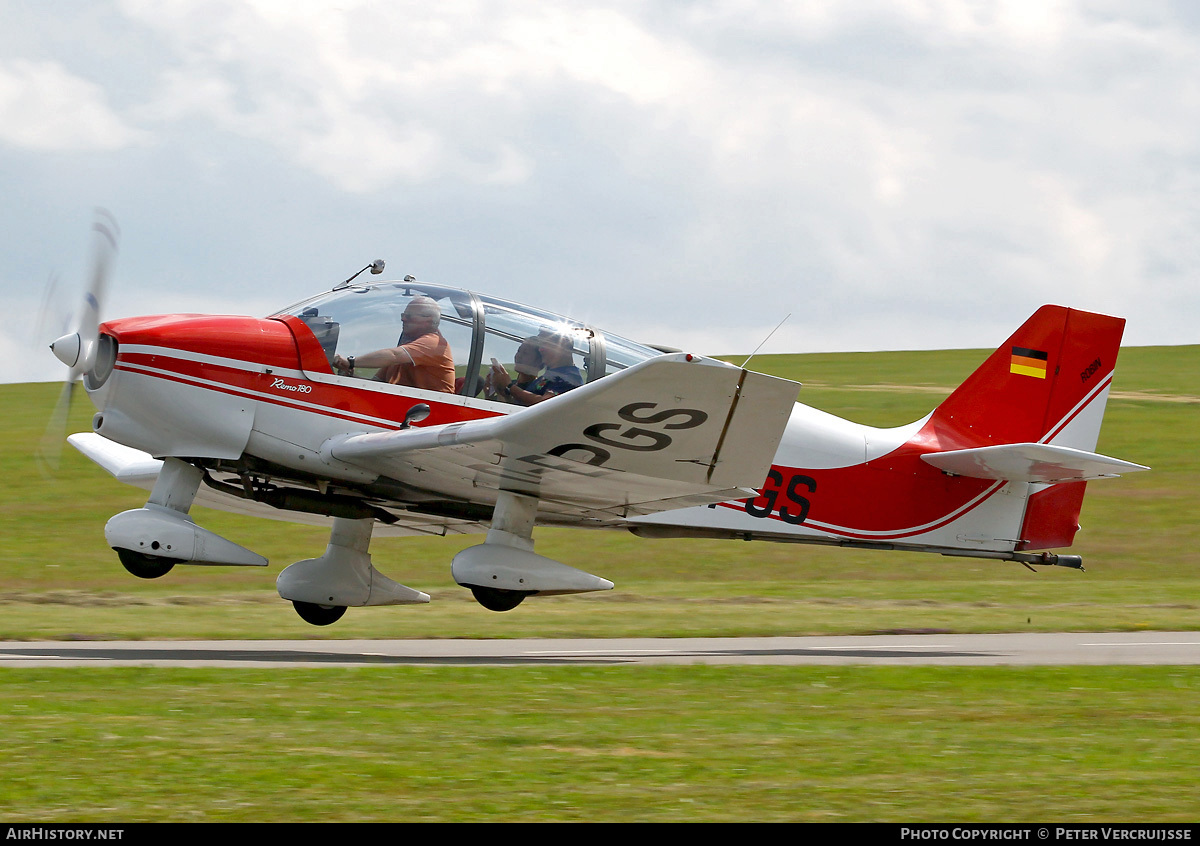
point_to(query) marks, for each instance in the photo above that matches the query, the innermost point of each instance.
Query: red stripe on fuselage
(344, 402)
(260, 360)
(892, 497)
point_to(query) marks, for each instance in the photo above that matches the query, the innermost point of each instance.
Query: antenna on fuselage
(764, 340)
(376, 268)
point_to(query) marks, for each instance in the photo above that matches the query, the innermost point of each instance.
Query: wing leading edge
(674, 431)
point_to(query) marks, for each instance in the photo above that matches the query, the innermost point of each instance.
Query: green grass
(1141, 543)
(674, 744)
(1087, 744)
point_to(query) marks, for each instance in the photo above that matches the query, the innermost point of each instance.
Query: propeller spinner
(77, 349)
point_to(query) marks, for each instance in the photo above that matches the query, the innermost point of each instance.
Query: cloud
(362, 97)
(895, 174)
(45, 107)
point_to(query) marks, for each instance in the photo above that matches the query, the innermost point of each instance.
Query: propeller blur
(77, 349)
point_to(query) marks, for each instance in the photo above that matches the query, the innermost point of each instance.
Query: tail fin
(1048, 383)
(1032, 413)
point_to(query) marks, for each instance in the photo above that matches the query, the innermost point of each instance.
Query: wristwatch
(350, 361)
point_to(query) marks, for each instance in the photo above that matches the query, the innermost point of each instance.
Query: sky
(899, 174)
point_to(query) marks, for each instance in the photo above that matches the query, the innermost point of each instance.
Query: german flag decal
(1028, 362)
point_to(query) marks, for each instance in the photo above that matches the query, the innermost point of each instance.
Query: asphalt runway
(1147, 648)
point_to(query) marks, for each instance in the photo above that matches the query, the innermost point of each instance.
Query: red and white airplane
(250, 415)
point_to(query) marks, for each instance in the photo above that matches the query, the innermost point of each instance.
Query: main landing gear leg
(153, 539)
(512, 528)
(322, 588)
(174, 489)
(504, 569)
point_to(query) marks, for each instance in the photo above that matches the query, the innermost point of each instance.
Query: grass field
(619, 744)
(1140, 543)
(671, 744)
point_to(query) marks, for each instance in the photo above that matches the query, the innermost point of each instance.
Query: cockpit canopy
(359, 318)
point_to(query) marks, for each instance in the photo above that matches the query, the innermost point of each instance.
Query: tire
(145, 566)
(319, 615)
(494, 599)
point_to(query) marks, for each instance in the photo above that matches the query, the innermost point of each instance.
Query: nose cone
(66, 349)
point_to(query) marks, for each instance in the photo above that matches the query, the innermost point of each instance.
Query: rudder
(1048, 383)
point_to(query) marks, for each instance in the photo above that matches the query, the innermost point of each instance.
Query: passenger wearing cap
(561, 374)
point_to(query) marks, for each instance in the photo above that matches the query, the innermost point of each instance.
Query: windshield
(481, 334)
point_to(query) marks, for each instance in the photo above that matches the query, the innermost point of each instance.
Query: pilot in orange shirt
(421, 359)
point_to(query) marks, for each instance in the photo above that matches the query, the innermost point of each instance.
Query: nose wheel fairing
(161, 530)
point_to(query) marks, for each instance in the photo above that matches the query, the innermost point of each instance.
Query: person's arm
(378, 358)
(383, 358)
(525, 397)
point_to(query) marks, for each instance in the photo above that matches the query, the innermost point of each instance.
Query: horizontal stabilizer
(1030, 463)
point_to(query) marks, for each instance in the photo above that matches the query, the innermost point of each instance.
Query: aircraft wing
(670, 432)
